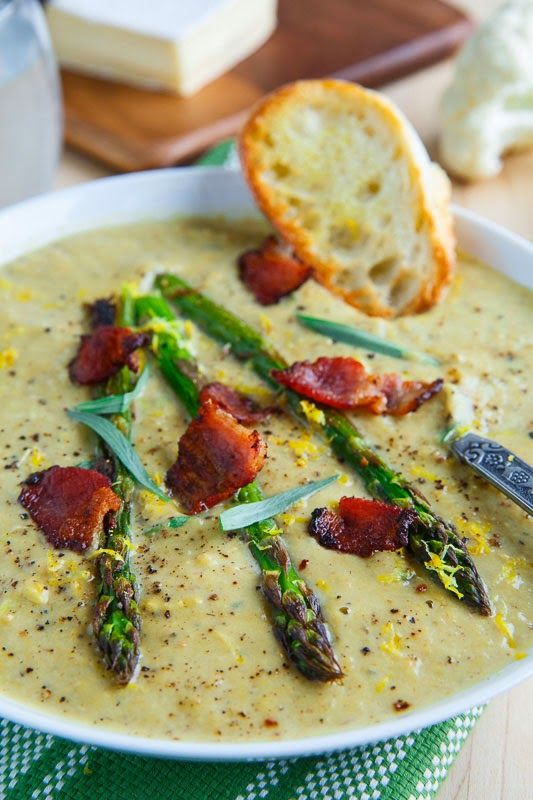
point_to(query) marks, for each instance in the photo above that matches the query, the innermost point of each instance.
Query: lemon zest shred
(477, 531)
(420, 472)
(312, 413)
(381, 684)
(398, 575)
(303, 447)
(151, 503)
(54, 564)
(393, 644)
(8, 357)
(37, 458)
(510, 573)
(504, 628)
(387, 577)
(287, 519)
(445, 571)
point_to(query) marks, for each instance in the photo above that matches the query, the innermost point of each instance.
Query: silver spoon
(499, 466)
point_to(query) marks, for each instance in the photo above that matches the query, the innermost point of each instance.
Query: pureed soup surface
(211, 668)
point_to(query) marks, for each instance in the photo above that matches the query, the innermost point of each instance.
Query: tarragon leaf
(114, 403)
(247, 513)
(350, 335)
(120, 446)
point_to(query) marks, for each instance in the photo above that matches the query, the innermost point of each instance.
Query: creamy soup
(211, 668)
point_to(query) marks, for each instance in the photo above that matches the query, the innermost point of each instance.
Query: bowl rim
(495, 241)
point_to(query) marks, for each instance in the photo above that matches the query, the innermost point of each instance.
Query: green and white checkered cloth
(37, 766)
(42, 767)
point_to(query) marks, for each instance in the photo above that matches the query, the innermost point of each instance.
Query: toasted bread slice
(344, 178)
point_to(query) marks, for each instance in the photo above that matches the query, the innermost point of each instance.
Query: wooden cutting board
(369, 41)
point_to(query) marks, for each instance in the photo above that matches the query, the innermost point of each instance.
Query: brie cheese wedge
(177, 45)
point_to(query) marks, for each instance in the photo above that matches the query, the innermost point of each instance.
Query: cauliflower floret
(488, 109)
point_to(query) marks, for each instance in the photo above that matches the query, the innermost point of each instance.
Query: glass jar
(30, 104)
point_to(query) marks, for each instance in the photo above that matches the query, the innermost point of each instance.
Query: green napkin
(36, 766)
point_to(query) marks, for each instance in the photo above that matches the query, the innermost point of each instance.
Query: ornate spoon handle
(499, 466)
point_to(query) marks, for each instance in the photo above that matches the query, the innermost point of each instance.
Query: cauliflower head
(488, 109)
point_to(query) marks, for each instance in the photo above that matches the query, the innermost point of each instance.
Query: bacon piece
(217, 455)
(344, 383)
(239, 405)
(69, 504)
(362, 527)
(104, 352)
(402, 397)
(272, 271)
(337, 382)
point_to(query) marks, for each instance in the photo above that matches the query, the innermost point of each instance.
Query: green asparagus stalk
(433, 542)
(296, 613)
(116, 619)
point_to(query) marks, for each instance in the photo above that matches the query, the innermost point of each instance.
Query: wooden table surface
(495, 763)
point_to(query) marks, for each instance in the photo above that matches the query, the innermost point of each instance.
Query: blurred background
(92, 87)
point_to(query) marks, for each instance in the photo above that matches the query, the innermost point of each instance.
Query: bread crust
(431, 184)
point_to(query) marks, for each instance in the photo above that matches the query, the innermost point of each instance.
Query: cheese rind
(162, 44)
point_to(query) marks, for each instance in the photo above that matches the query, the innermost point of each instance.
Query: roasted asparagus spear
(433, 541)
(116, 619)
(296, 613)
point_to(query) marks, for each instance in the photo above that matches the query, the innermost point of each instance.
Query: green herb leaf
(114, 403)
(350, 335)
(449, 434)
(171, 523)
(120, 446)
(246, 514)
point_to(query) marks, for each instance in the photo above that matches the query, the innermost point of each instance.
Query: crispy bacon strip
(272, 271)
(217, 455)
(69, 504)
(344, 383)
(402, 397)
(104, 352)
(243, 408)
(336, 382)
(362, 527)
